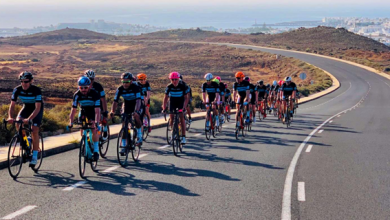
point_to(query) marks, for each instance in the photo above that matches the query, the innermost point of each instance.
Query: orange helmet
(141, 76)
(240, 75)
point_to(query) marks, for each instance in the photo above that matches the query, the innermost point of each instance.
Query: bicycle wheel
(237, 131)
(226, 117)
(104, 144)
(122, 157)
(175, 140)
(207, 131)
(145, 128)
(135, 149)
(82, 158)
(169, 133)
(243, 130)
(40, 155)
(214, 130)
(188, 124)
(15, 157)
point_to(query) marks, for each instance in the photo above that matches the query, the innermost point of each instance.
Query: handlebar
(5, 122)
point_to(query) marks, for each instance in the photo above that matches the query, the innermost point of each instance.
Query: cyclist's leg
(183, 124)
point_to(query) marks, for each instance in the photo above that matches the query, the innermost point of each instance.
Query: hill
(178, 34)
(55, 37)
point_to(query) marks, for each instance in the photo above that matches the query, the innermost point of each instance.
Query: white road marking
(165, 146)
(110, 169)
(286, 203)
(338, 116)
(350, 85)
(330, 121)
(20, 212)
(308, 149)
(301, 192)
(74, 186)
(197, 134)
(320, 131)
(142, 155)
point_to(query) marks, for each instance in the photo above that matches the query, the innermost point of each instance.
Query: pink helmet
(174, 75)
(219, 78)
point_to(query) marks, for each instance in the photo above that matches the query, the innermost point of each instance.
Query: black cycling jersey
(211, 90)
(99, 88)
(29, 97)
(241, 88)
(176, 95)
(222, 89)
(129, 95)
(288, 89)
(227, 93)
(252, 89)
(262, 90)
(90, 100)
(144, 89)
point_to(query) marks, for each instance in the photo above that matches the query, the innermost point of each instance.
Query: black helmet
(127, 76)
(247, 78)
(260, 82)
(25, 75)
(268, 85)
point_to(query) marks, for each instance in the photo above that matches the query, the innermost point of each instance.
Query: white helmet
(208, 76)
(275, 83)
(288, 79)
(89, 73)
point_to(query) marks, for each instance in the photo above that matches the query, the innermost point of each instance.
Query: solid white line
(20, 212)
(308, 149)
(330, 121)
(142, 155)
(286, 204)
(110, 169)
(197, 134)
(301, 192)
(320, 131)
(165, 146)
(72, 187)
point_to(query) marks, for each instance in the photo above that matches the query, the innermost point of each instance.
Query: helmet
(226, 85)
(275, 83)
(288, 79)
(84, 81)
(25, 75)
(219, 78)
(181, 77)
(127, 76)
(280, 82)
(261, 82)
(141, 76)
(174, 75)
(240, 75)
(208, 76)
(89, 74)
(215, 80)
(247, 78)
(268, 85)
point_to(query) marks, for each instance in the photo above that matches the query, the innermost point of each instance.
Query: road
(344, 176)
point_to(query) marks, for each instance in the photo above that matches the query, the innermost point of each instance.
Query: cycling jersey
(144, 89)
(288, 89)
(241, 88)
(211, 90)
(176, 95)
(29, 97)
(222, 89)
(87, 102)
(253, 90)
(130, 97)
(99, 88)
(262, 90)
(227, 94)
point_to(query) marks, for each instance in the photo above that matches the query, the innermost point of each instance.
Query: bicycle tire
(82, 158)
(102, 143)
(15, 165)
(40, 156)
(122, 160)
(226, 117)
(207, 132)
(135, 149)
(213, 132)
(175, 140)
(237, 131)
(145, 130)
(188, 124)
(169, 133)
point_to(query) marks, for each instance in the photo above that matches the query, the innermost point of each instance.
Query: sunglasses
(25, 81)
(126, 81)
(84, 87)
(238, 78)
(142, 80)
(174, 79)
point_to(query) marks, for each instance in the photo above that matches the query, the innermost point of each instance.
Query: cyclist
(131, 94)
(176, 92)
(288, 92)
(228, 98)
(31, 97)
(268, 101)
(262, 95)
(188, 109)
(279, 97)
(145, 94)
(89, 101)
(273, 93)
(221, 100)
(211, 89)
(241, 94)
(103, 107)
(253, 98)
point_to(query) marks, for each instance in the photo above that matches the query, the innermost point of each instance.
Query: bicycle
(210, 117)
(261, 109)
(242, 123)
(130, 135)
(104, 142)
(145, 127)
(86, 147)
(227, 116)
(175, 132)
(287, 117)
(188, 123)
(20, 150)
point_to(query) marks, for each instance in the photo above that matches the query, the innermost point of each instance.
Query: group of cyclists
(136, 90)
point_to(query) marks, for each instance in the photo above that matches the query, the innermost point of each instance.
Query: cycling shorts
(26, 112)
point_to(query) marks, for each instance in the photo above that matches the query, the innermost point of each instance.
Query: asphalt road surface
(312, 170)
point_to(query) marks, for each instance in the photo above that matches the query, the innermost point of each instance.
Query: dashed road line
(320, 131)
(330, 121)
(308, 149)
(197, 134)
(165, 146)
(110, 169)
(74, 186)
(20, 212)
(142, 155)
(301, 192)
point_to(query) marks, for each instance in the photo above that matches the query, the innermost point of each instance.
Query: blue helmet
(84, 81)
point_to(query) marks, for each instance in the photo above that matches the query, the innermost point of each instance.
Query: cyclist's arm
(257, 96)
(165, 101)
(185, 101)
(97, 114)
(147, 97)
(11, 109)
(104, 103)
(235, 96)
(71, 115)
(113, 107)
(247, 95)
(204, 97)
(36, 110)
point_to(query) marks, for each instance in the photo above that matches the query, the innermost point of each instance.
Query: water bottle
(29, 141)
(145, 122)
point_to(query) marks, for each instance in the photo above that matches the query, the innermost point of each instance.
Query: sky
(183, 14)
